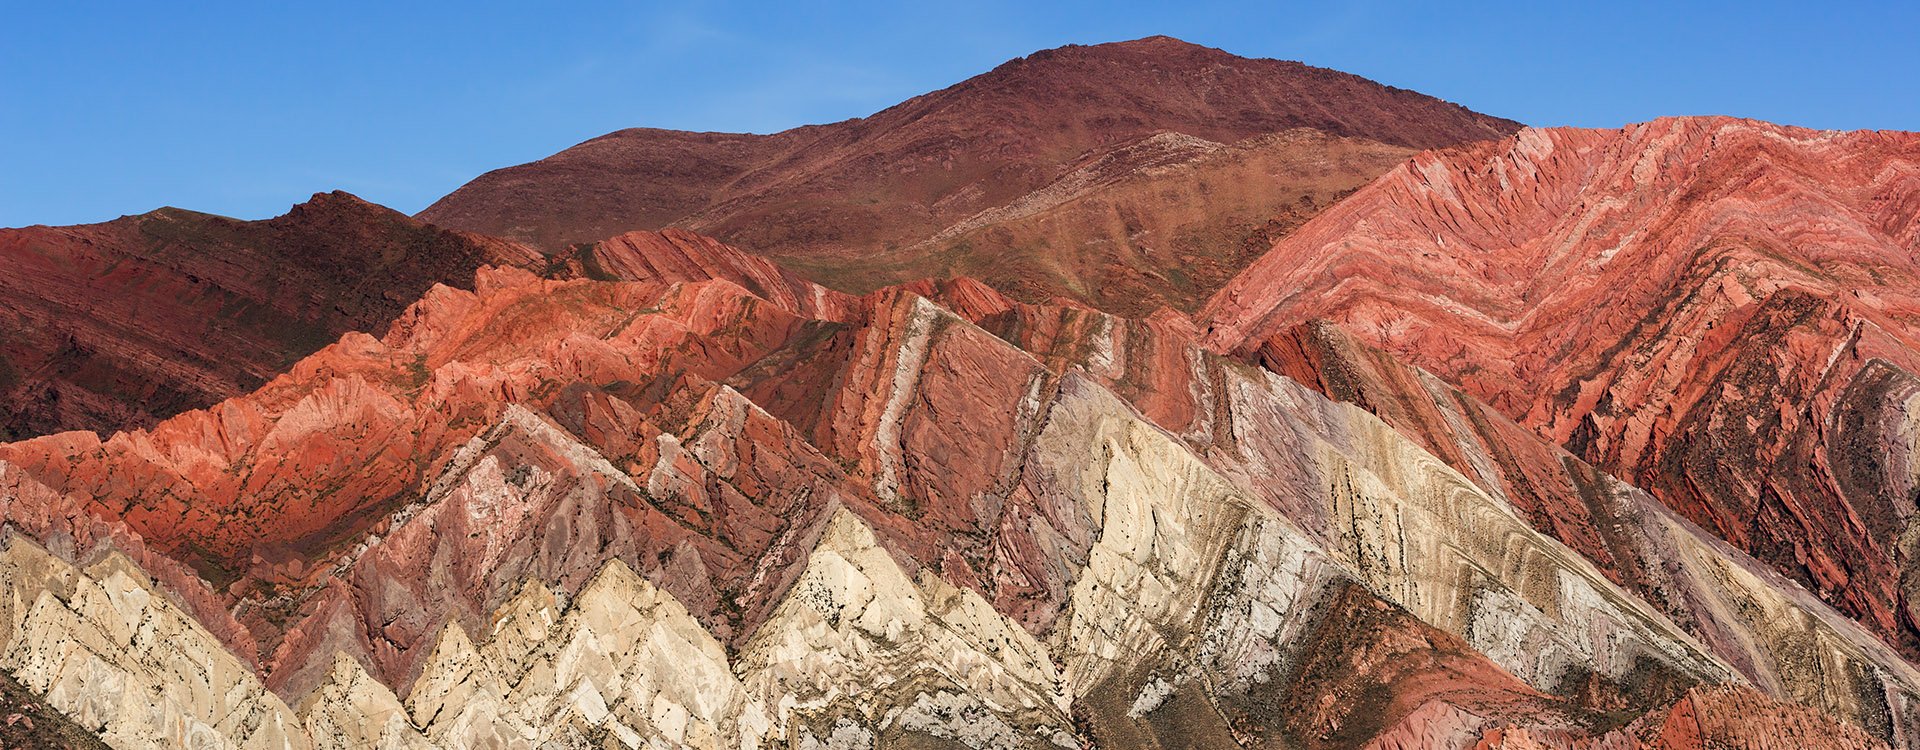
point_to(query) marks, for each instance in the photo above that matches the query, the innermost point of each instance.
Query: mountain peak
(337, 204)
(1158, 44)
(904, 182)
(338, 198)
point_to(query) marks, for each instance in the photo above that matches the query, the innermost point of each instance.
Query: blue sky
(246, 108)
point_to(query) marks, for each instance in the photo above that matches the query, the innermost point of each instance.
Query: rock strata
(1718, 311)
(672, 512)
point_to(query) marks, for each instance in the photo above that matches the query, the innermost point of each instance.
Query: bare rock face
(673, 512)
(118, 658)
(624, 661)
(122, 324)
(1733, 604)
(1719, 311)
(1727, 599)
(1154, 589)
(1134, 174)
(859, 646)
(351, 709)
(678, 255)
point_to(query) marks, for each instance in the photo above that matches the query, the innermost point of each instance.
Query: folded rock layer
(1719, 311)
(678, 512)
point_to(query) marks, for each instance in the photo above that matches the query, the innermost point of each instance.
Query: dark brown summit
(1032, 168)
(119, 324)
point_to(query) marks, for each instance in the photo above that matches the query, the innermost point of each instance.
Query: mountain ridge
(125, 322)
(1160, 398)
(1655, 297)
(684, 479)
(825, 197)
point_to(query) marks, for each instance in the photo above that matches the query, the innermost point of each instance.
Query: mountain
(1130, 174)
(1721, 311)
(120, 324)
(1540, 438)
(667, 510)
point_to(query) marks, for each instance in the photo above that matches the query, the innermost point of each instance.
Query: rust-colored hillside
(1131, 175)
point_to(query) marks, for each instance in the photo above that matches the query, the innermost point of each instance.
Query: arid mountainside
(669, 511)
(121, 324)
(1159, 222)
(1723, 312)
(1131, 175)
(1127, 396)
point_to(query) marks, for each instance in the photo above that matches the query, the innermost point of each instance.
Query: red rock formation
(532, 429)
(124, 323)
(1117, 173)
(1717, 718)
(1720, 311)
(678, 255)
(1634, 539)
(306, 463)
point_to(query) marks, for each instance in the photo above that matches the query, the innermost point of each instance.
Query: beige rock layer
(1004, 544)
(915, 656)
(624, 662)
(123, 661)
(1411, 529)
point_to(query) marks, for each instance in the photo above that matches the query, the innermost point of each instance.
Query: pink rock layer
(533, 428)
(1722, 312)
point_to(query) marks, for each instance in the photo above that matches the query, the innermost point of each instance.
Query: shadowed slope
(117, 325)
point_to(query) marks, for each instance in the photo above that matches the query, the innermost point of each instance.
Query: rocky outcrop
(1133, 174)
(623, 665)
(624, 662)
(348, 433)
(122, 661)
(676, 255)
(859, 647)
(353, 710)
(1734, 605)
(1718, 311)
(122, 324)
(672, 512)
(1154, 588)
